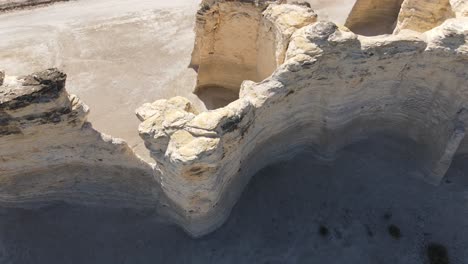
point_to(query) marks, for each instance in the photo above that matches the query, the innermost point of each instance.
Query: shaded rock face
(301, 84)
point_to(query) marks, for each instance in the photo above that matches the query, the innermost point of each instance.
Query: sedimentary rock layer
(334, 88)
(6, 5)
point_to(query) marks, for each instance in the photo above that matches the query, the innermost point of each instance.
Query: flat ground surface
(362, 208)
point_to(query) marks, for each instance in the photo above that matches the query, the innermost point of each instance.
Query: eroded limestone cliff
(298, 83)
(333, 88)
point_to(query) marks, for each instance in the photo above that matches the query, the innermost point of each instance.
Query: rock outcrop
(44, 129)
(423, 15)
(372, 17)
(333, 88)
(460, 7)
(300, 83)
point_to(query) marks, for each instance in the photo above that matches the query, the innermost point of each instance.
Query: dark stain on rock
(40, 87)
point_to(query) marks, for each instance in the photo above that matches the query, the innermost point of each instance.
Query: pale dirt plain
(120, 54)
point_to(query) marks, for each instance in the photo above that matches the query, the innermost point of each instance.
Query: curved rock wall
(334, 88)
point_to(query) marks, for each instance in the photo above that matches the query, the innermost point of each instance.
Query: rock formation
(372, 17)
(301, 84)
(238, 40)
(44, 129)
(423, 15)
(333, 88)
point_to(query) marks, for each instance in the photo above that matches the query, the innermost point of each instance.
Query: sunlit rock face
(333, 88)
(423, 15)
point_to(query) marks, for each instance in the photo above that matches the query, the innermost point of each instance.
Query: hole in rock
(236, 43)
(275, 221)
(374, 17)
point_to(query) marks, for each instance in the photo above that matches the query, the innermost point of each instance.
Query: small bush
(394, 231)
(323, 231)
(437, 254)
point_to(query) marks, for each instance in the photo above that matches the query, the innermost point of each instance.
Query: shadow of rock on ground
(281, 218)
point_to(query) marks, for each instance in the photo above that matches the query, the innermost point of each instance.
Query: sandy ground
(301, 211)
